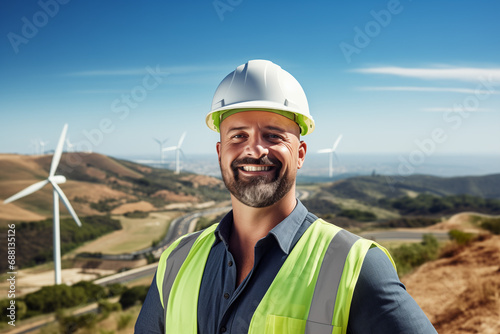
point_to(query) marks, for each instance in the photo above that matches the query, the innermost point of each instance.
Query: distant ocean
(316, 165)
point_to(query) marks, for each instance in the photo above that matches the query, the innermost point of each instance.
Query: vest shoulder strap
(322, 271)
(172, 259)
(184, 268)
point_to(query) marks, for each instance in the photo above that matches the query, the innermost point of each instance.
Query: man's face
(259, 154)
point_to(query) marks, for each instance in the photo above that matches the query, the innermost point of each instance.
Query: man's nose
(256, 148)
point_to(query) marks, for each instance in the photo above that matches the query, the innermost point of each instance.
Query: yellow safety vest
(311, 293)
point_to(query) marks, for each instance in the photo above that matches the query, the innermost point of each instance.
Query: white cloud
(432, 89)
(456, 110)
(491, 75)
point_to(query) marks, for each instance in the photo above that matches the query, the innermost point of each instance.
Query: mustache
(265, 160)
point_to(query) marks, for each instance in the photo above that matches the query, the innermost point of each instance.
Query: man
(270, 266)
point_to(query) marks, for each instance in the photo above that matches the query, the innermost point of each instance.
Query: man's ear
(217, 147)
(302, 154)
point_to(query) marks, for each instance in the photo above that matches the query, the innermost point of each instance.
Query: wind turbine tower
(331, 151)
(161, 143)
(69, 146)
(42, 146)
(178, 151)
(36, 146)
(54, 180)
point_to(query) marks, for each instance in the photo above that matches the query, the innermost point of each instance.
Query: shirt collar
(284, 232)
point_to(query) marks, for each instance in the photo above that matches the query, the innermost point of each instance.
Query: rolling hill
(372, 188)
(98, 184)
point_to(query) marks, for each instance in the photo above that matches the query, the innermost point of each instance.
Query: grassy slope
(136, 234)
(369, 188)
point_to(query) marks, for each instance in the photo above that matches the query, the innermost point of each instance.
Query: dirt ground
(461, 293)
(137, 233)
(30, 280)
(131, 207)
(461, 221)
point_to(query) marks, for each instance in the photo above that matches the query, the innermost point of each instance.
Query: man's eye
(273, 136)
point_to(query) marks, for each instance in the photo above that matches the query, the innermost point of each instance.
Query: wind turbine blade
(182, 153)
(156, 140)
(171, 148)
(336, 156)
(181, 140)
(31, 189)
(57, 154)
(325, 150)
(66, 203)
(336, 143)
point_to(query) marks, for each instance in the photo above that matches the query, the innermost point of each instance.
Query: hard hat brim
(214, 117)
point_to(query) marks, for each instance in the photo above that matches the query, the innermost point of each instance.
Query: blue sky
(415, 78)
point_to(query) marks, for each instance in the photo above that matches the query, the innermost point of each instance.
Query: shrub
(409, 256)
(425, 204)
(116, 289)
(123, 321)
(137, 214)
(132, 295)
(51, 298)
(103, 331)
(93, 291)
(105, 308)
(20, 308)
(320, 206)
(70, 324)
(492, 225)
(460, 237)
(409, 222)
(35, 239)
(362, 216)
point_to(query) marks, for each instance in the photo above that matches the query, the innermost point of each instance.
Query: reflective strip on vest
(325, 293)
(321, 271)
(174, 262)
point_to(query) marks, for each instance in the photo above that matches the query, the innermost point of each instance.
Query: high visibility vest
(311, 293)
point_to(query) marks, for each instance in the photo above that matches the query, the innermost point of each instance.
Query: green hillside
(417, 200)
(373, 188)
(34, 241)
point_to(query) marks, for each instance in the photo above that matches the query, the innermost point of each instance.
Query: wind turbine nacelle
(58, 179)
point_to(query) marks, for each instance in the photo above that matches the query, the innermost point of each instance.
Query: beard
(257, 191)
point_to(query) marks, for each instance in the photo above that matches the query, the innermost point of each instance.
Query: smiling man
(270, 266)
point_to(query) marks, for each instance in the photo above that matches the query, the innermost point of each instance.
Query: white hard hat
(260, 85)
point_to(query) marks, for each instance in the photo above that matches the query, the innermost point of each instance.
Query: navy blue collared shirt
(380, 302)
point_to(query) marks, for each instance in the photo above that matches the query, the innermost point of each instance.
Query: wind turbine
(42, 147)
(54, 180)
(161, 143)
(331, 151)
(177, 150)
(36, 145)
(69, 145)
